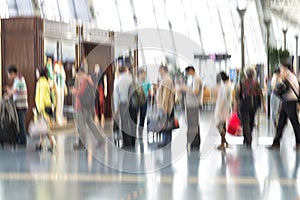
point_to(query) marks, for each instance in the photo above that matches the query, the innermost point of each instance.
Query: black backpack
(87, 99)
(250, 94)
(136, 96)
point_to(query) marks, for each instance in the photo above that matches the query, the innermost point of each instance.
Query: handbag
(281, 89)
(38, 127)
(171, 124)
(156, 119)
(234, 126)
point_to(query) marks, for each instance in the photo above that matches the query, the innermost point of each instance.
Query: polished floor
(148, 172)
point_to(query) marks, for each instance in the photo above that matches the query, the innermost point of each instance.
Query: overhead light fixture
(267, 15)
(241, 4)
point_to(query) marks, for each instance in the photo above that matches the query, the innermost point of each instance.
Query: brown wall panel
(20, 51)
(19, 25)
(22, 45)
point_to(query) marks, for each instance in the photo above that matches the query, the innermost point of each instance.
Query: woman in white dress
(223, 108)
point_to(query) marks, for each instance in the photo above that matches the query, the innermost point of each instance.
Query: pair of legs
(247, 119)
(42, 142)
(167, 134)
(86, 124)
(143, 112)
(50, 137)
(21, 138)
(128, 116)
(222, 130)
(99, 104)
(288, 111)
(193, 132)
(60, 94)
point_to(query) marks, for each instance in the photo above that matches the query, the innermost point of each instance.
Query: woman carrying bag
(44, 105)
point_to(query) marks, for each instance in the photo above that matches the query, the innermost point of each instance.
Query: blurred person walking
(166, 99)
(223, 108)
(84, 105)
(249, 98)
(193, 100)
(128, 115)
(19, 93)
(146, 91)
(44, 105)
(289, 100)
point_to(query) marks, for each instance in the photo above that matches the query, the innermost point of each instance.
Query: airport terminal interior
(149, 99)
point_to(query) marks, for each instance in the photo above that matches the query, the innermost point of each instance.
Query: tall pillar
(284, 37)
(242, 14)
(296, 56)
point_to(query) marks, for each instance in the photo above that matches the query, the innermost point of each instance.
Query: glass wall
(213, 24)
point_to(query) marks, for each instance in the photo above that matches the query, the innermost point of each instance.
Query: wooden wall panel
(22, 55)
(17, 25)
(22, 45)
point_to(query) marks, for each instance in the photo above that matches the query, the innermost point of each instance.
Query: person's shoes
(38, 147)
(51, 149)
(195, 147)
(226, 145)
(297, 147)
(23, 146)
(222, 147)
(78, 147)
(274, 147)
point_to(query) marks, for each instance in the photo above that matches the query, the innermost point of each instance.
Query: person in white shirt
(193, 102)
(121, 106)
(223, 107)
(289, 106)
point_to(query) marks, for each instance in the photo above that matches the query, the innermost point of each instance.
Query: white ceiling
(288, 10)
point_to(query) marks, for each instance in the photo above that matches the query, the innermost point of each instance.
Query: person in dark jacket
(249, 98)
(288, 109)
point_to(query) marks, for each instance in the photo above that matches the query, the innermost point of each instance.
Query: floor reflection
(168, 173)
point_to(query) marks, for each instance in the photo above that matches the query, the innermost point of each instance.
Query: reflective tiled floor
(237, 174)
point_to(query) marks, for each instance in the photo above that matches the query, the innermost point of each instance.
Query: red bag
(234, 126)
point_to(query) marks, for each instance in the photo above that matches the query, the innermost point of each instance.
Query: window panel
(106, 14)
(24, 7)
(126, 15)
(82, 10)
(145, 17)
(50, 10)
(12, 8)
(3, 9)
